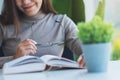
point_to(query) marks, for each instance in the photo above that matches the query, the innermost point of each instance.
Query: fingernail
(35, 42)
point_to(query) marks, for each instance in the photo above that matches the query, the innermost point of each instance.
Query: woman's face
(29, 7)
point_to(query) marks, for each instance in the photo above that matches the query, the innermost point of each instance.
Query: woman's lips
(28, 8)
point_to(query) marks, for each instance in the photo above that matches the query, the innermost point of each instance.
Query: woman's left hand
(81, 61)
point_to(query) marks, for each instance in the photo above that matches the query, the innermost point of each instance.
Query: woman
(32, 27)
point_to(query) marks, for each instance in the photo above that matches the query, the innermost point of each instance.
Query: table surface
(113, 73)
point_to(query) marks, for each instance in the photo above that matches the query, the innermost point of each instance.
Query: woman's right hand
(26, 47)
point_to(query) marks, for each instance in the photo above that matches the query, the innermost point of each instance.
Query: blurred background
(84, 10)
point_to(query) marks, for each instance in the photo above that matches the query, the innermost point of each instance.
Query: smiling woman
(26, 23)
(29, 7)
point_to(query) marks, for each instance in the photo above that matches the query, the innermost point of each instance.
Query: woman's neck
(38, 16)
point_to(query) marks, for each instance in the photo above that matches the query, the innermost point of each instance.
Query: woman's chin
(31, 14)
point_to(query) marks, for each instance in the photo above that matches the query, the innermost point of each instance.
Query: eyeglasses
(49, 44)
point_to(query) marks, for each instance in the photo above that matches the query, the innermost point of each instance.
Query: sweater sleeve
(2, 58)
(1, 35)
(71, 39)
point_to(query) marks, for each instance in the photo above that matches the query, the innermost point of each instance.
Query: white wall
(112, 12)
(90, 8)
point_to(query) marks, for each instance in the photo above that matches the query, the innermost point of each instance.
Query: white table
(73, 74)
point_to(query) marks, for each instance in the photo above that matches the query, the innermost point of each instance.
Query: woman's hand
(81, 61)
(26, 47)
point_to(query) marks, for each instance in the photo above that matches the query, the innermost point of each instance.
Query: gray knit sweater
(51, 32)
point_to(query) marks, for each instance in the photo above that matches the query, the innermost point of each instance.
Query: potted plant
(96, 36)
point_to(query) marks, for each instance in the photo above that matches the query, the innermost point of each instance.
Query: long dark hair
(10, 13)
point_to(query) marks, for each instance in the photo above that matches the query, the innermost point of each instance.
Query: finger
(30, 47)
(29, 51)
(26, 49)
(25, 46)
(29, 42)
(33, 41)
(81, 61)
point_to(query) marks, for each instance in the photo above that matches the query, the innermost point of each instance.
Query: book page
(47, 58)
(20, 60)
(29, 61)
(59, 61)
(24, 64)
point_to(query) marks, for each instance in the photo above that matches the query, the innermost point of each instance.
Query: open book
(33, 64)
